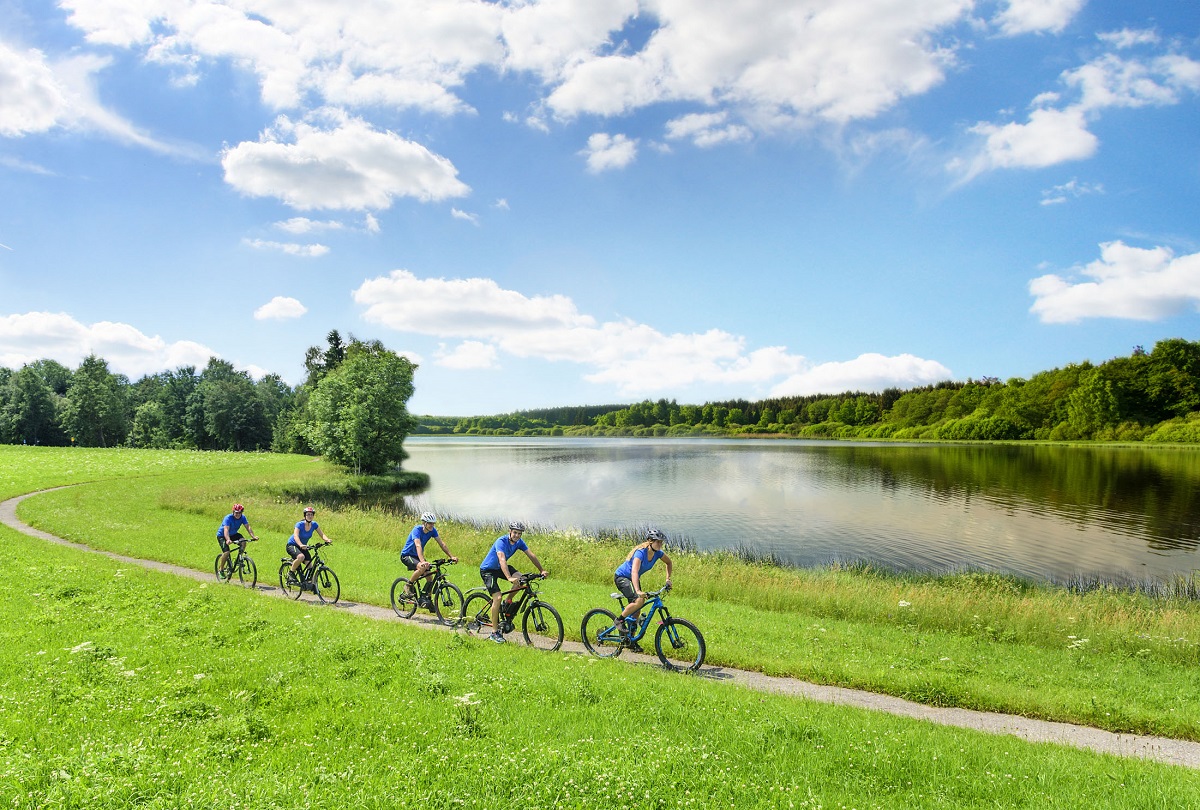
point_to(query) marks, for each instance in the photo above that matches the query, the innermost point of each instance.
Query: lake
(1038, 511)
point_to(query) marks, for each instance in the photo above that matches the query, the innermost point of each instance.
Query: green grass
(377, 713)
(122, 687)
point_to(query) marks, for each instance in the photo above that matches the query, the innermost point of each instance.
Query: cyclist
(413, 556)
(495, 567)
(228, 534)
(628, 579)
(297, 545)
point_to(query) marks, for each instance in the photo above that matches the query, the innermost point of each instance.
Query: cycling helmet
(237, 507)
(516, 526)
(308, 510)
(655, 534)
(428, 517)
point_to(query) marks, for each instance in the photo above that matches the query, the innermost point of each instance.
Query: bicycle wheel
(405, 606)
(291, 590)
(599, 632)
(247, 572)
(326, 584)
(223, 572)
(448, 603)
(679, 645)
(477, 613)
(542, 627)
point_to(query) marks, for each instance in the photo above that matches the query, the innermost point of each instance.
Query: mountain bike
(678, 642)
(541, 625)
(238, 563)
(445, 597)
(314, 576)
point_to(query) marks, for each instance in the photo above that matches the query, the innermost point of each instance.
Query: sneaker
(496, 637)
(633, 646)
(291, 580)
(424, 602)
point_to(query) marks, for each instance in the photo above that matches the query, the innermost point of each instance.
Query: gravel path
(1161, 749)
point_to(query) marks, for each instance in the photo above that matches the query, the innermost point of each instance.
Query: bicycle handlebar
(442, 561)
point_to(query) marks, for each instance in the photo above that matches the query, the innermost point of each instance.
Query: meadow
(125, 687)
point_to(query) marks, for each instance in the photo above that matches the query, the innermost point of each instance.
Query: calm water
(1034, 511)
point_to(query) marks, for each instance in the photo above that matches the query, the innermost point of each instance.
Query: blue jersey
(418, 535)
(234, 523)
(305, 534)
(504, 545)
(626, 568)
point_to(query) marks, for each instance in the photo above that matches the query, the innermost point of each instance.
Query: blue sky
(574, 202)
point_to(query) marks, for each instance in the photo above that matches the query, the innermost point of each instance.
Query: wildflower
(80, 647)
(904, 604)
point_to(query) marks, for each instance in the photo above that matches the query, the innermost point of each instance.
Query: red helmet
(237, 507)
(309, 509)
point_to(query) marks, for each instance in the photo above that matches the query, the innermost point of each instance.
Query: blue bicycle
(678, 643)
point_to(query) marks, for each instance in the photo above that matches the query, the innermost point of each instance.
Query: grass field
(121, 687)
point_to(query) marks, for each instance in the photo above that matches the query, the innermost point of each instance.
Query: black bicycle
(445, 598)
(314, 576)
(541, 625)
(678, 642)
(237, 564)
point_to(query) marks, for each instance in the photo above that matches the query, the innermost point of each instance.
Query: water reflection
(1032, 510)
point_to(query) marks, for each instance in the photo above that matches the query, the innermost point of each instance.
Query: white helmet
(428, 517)
(516, 526)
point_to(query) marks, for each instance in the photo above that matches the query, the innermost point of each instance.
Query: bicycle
(447, 598)
(314, 576)
(678, 643)
(541, 625)
(239, 563)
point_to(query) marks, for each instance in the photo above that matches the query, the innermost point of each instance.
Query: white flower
(905, 604)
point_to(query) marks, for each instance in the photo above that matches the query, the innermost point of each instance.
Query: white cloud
(349, 165)
(31, 98)
(464, 216)
(1127, 282)
(280, 308)
(1129, 37)
(1029, 16)
(606, 152)
(867, 373)
(470, 355)
(34, 336)
(635, 358)
(1072, 188)
(1056, 135)
(707, 129)
(299, 225)
(310, 251)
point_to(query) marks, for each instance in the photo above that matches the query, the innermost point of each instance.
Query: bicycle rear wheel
(326, 584)
(291, 589)
(247, 572)
(448, 603)
(477, 613)
(599, 633)
(679, 645)
(404, 604)
(542, 627)
(223, 572)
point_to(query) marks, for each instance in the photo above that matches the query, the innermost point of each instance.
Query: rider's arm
(536, 561)
(296, 538)
(667, 561)
(635, 575)
(253, 536)
(503, 560)
(324, 536)
(443, 545)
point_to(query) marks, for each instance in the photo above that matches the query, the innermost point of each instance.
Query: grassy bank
(121, 687)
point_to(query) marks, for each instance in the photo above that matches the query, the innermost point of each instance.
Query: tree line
(351, 408)
(1148, 396)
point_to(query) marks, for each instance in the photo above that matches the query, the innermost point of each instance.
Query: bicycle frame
(654, 605)
(307, 569)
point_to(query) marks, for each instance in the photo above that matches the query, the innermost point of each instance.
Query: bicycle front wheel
(477, 613)
(290, 589)
(448, 603)
(599, 633)
(247, 572)
(223, 572)
(404, 604)
(542, 627)
(679, 645)
(326, 584)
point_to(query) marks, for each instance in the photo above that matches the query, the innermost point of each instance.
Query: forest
(352, 408)
(1148, 396)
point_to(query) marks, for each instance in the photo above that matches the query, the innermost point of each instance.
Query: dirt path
(1161, 749)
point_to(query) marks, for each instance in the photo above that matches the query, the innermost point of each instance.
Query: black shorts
(294, 551)
(234, 539)
(625, 586)
(410, 562)
(493, 579)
